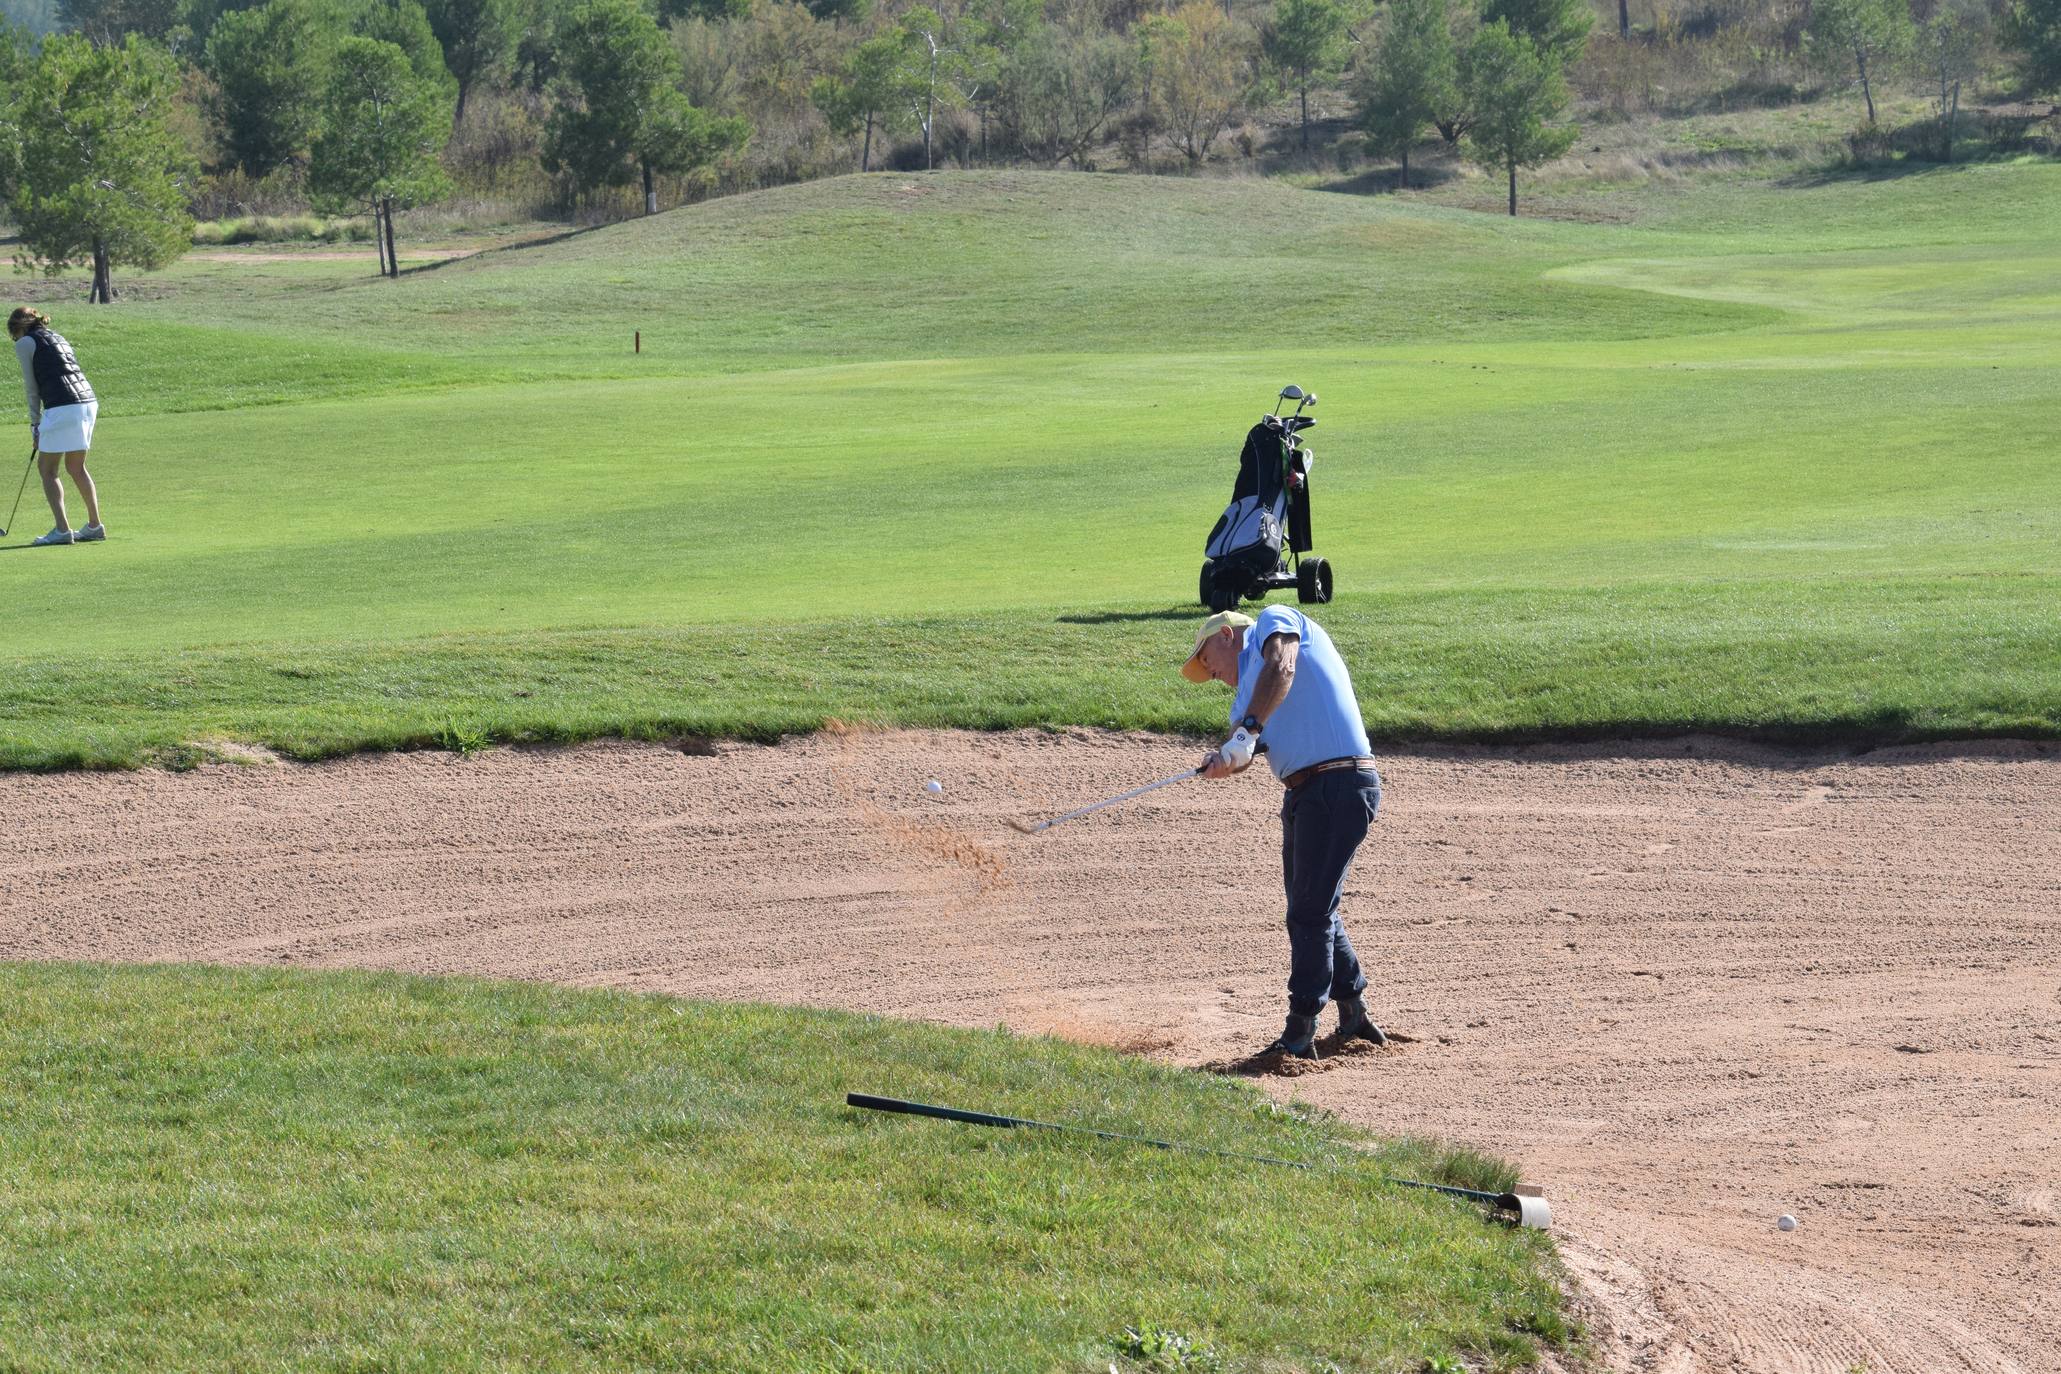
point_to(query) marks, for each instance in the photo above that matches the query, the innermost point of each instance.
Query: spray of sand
(932, 846)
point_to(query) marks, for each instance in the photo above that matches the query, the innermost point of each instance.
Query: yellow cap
(1193, 669)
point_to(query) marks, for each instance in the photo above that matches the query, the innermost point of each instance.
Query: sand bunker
(1688, 986)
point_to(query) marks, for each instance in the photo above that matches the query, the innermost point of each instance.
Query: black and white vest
(59, 379)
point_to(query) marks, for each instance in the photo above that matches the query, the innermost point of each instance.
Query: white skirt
(68, 429)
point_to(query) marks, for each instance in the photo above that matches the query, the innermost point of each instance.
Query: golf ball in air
(934, 787)
(1785, 1222)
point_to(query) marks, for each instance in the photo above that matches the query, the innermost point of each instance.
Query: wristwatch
(1251, 724)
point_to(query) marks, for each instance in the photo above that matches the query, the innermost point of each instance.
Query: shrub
(281, 229)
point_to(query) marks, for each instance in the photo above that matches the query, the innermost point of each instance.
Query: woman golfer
(62, 409)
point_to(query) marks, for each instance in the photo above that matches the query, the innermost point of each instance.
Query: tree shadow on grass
(542, 241)
(1119, 617)
(1382, 181)
(1839, 174)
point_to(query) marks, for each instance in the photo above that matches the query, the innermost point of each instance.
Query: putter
(1528, 1211)
(19, 490)
(1028, 828)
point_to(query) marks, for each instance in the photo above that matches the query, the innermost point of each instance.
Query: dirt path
(1688, 987)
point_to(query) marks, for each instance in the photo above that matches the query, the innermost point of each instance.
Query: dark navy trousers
(1322, 824)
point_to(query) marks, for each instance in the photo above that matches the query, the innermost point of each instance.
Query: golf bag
(1246, 543)
(1269, 511)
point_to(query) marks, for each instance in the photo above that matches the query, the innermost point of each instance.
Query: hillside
(872, 269)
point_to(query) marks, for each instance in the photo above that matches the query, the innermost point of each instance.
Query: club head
(1291, 392)
(1532, 1213)
(1310, 399)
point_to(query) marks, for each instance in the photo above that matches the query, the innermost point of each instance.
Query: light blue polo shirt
(1319, 719)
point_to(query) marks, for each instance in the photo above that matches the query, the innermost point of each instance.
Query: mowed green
(1769, 459)
(206, 1169)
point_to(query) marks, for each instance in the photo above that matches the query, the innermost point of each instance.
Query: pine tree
(1513, 90)
(867, 95)
(383, 125)
(1305, 41)
(478, 39)
(1414, 75)
(101, 179)
(268, 65)
(1558, 29)
(620, 114)
(2032, 30)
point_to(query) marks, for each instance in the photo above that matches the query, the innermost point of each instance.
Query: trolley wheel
(1313, 582)
(1209, 586)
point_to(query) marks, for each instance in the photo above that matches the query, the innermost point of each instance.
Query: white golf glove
(1237, 751)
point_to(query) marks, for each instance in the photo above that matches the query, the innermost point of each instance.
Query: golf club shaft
(1112, 801)
(896, 1104)
(20, 489)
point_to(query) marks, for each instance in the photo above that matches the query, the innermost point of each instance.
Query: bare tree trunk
(1860, 55)
(1624, 19)
(1406, 168)
(1305, 115)
(929, 118)
(379, 235)
(1953, 113)
(458, 117)
(866, 149)
(650, 189)
(102, 292)
(393, 261)
(1513, 188)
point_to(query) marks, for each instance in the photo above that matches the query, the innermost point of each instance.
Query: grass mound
(863, 269)
(207, 1169)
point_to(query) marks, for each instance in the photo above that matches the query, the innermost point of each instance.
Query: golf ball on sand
(1785, 1222)
(934, 787)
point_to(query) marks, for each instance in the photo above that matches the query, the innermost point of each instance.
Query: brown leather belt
(1303, 775)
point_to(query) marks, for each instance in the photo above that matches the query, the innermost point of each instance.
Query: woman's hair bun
(25, 318)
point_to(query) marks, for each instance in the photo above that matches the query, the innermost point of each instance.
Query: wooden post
(637, 342)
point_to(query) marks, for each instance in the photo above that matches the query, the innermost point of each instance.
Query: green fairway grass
(1772, 459)
(206, 1170)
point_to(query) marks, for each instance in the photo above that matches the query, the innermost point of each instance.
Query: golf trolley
(1258, 544)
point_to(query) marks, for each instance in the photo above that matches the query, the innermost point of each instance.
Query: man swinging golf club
(1290, 686)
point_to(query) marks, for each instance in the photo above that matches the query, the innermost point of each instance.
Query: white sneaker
(89, 534)
(54, 537)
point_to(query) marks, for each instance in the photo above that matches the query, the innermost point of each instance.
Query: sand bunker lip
(1680, 982)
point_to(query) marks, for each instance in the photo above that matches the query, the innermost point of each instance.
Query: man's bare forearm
(1277, 674)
